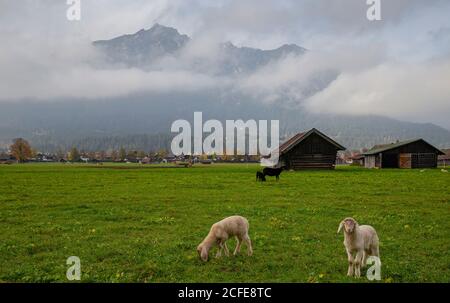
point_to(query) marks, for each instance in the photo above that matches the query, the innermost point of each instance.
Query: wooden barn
(309, 150)
(407, 154)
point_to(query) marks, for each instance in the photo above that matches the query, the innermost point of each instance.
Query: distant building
(45, 157)
(444, 160)
(6, 159)
(357, 160)
(309, 150)
(146, 160)
(415, 153)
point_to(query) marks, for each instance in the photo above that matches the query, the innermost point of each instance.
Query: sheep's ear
(340, 226)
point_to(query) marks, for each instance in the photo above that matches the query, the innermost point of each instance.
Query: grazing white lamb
(221, 231)
(362, 240)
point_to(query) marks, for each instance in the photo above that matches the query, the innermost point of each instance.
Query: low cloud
(88, 83)
(406, 91)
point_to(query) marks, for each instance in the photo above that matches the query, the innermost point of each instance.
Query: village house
(6, 158)
(357, 159)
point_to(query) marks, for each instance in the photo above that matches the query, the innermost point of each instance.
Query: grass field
(143, 225)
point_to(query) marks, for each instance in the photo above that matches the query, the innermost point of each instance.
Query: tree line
(22, 151)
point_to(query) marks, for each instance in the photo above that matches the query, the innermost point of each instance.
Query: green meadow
(131, 223)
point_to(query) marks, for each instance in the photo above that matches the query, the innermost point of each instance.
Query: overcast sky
(398, 67)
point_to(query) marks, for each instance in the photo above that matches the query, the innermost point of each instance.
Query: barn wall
(423, 160)
(370, 162)
(313, 161)
(313, 152)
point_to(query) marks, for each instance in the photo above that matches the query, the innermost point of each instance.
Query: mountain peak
(158, 30)
(144, 47)
(291, 48)
(160, 26)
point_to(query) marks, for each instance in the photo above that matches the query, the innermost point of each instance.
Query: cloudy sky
(397, 67)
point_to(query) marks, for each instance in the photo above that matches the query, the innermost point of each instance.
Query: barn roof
(293, 141)
(386, 147)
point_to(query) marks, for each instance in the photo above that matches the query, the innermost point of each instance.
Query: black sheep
(272, 172)
(260, 177)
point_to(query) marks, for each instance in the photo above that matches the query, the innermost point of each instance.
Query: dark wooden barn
(309, 150)
(415, 153)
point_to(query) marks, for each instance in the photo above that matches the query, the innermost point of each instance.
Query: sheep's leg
(227, 252)
(375, 251)
(219, 251)
(238, 246)
(350, 264)
(364, 258)
(248, 242)
(357, 262)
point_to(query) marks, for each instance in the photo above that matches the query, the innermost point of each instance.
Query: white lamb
(221, 231)
(362, 240)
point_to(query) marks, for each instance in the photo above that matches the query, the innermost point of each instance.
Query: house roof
(296, 139)
(385, 147)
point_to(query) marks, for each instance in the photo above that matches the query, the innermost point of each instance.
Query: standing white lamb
(362, 240)
(221, 231)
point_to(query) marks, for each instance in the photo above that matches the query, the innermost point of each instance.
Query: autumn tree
(114, 155)
(21, 150)
(131, 155)
(74, 155)
(102, 155)
(122, 154)
(225, 157)
(163, 153)
(141, 154)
